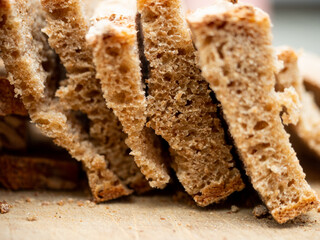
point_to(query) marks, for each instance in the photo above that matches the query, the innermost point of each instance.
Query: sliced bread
(236, 58)
(113, 38)
(308, 126)
(180, 108)
(31, 67)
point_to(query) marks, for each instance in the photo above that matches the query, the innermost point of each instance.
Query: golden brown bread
(32, 67)
(180, 107)
(113, 38)
(81, 90)
(308, 126)
(236, 57)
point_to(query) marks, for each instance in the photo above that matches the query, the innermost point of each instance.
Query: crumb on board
(162, 218)
(90, 204)
(45, 203)
(60, 203)
(31, 217)
(4, 207)
(260, 211)
(80, 203)
(189, 226)
(28, 200)
(235, 209)
(302, 220)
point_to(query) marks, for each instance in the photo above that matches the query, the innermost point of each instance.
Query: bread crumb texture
(78, 120)
(180, 108)
(238, 61)
(113, 38)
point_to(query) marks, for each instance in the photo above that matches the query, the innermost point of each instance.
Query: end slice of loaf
(28, 61)
(308, 126)
(24, 172)
(81, 91)
(180, 108)
(13, 133)
(236, 57)
(113, 38)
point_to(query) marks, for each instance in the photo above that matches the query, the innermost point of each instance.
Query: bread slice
(13, 133)
(236, 57)
(308, 127)
(81, 91)
(180, 108)
(309, 66)
(113, 38)
(24, 172)
(28, 60)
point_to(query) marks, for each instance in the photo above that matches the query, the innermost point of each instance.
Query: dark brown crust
(22, 173)
(218, 192)
(283, 215)
(9, 104)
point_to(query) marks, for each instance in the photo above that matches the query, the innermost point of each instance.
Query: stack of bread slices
(134, 90)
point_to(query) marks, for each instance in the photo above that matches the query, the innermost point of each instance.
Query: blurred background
(295, 22)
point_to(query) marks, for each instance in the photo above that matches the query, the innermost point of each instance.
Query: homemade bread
(113, 38)
(180, 108)
(308, 126)
(31, 65)
(81, 90)
(24, 172)
(236, 58)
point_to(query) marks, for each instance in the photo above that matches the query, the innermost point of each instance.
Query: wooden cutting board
(69, 215)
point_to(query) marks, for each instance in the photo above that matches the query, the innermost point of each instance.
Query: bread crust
(180, 107)
(113, 38)
(25, 172)
(31, 64)
(237, 59)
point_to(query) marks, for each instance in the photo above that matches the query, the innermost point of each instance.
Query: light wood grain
(145, 217)
(148, 217)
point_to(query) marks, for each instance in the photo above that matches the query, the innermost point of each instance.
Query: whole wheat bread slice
(113, 38)
(18, 172)
(31, 66)
(308, 126)
(180, 108)
(81, 91)
(236, 57)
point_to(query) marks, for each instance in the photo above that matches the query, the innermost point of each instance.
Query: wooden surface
(69, 215)
(148, 217)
